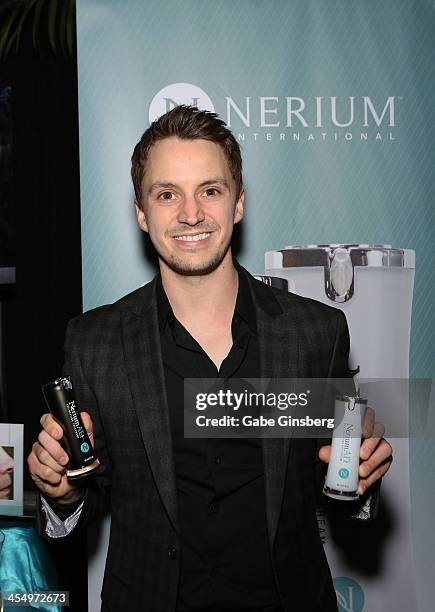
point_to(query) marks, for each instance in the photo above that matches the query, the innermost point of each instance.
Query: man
(197, 524)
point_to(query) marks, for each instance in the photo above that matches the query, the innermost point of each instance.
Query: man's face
(189, 204)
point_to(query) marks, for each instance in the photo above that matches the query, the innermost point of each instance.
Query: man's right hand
(48, 459)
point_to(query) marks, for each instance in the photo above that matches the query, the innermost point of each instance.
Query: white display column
(372, 564)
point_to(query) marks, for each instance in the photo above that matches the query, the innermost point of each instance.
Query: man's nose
(191, 211)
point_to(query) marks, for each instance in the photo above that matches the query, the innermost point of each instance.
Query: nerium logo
(350, 596)
(175, 94)
(289, 118)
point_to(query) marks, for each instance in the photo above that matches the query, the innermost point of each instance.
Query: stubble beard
(183, 268)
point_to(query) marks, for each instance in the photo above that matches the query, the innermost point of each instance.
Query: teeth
(192, 238)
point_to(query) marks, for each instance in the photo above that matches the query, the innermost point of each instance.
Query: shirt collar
(164, 309)
(244, 305)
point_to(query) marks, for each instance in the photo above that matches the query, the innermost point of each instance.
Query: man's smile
(192, 237)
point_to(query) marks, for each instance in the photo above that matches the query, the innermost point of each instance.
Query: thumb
(325, 453)
(87, 422)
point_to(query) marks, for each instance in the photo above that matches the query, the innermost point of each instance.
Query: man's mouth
(192, 237)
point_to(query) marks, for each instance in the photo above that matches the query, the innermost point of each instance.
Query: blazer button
(172, 552)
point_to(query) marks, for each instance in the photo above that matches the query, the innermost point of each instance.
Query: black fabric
(63, 511)
(225, 559)
(114, 356)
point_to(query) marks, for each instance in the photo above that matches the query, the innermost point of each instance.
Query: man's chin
(186, 268)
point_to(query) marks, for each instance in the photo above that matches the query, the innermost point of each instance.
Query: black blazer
(113, 355)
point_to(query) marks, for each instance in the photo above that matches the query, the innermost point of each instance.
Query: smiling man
(197, 524)
(190, 217)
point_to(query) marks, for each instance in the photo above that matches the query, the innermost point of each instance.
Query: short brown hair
(190, 123)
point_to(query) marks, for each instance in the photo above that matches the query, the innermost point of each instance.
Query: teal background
(297, 192)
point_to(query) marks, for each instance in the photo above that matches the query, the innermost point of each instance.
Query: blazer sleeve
(96, 486)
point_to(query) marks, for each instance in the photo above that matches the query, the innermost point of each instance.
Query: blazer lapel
(144, 362)
(279, 358)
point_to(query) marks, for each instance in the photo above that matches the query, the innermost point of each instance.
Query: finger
(52, 447)
(370, 444)
(52, 490)
(56, 486)
(45, 458)
(41, 472)
(50, 426)
(365, 483)
(325, 453)
(37, 458)
(368, 422)
(378, 457)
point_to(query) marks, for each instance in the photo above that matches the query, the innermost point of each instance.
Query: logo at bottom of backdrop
(350, 596)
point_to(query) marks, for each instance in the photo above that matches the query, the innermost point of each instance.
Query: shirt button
(218, 459)
(213, 508)
(172, 552)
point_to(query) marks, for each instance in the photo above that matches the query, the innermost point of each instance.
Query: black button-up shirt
(225, 556)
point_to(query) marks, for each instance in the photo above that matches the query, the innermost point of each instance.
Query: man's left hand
(376, 454)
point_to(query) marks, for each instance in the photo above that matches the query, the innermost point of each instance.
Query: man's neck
(204, 298)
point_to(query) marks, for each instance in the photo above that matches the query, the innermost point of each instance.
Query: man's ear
(140, 215)
(239, 208)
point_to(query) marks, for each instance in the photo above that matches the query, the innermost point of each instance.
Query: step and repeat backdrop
(332, 104)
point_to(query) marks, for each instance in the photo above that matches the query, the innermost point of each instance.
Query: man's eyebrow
(161, 185)
(213, 181)
(168, 185)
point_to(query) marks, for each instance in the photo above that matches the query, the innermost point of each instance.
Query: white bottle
(342, 476)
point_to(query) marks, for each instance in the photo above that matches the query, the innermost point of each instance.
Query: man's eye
(166, 195)
(211, 191)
